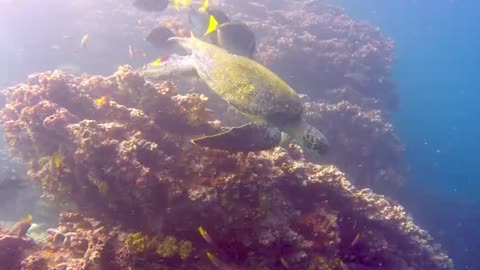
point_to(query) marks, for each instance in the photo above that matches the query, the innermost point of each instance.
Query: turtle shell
(247, 85)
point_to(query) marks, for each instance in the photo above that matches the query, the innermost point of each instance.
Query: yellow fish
(177, 4)
(157, 62)
(57, 159)
(83, 41)
(220, 264)
(101, 101)
(215, 261)
(212, 25)
(168, 24)
(204, 6)
(160, 60)
(205, 235)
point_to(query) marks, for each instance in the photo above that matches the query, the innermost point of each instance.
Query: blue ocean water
(437, 47)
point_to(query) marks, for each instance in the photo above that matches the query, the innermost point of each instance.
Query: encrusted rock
(128, 162)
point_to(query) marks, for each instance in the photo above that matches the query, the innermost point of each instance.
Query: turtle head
(200, 49)
(310, 138)
(313, 140)
(184, 42)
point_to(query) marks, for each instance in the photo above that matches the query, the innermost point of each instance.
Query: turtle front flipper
(251, 137)
(176, 66)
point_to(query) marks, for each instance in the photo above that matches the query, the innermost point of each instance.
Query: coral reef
(117, 150)
(13, 249)
(316, 47)
(370, 143)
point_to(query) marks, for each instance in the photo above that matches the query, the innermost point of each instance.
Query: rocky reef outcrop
(316, 47)
(375, 154)
(13, 249)
(117, 150)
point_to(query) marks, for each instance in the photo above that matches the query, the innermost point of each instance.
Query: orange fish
(182, 32)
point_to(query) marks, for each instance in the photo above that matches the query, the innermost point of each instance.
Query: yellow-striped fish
(212, 25)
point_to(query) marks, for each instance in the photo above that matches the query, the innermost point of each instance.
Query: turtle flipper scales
(250, 137)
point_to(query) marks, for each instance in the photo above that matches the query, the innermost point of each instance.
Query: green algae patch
(139, 243)
(170, 247)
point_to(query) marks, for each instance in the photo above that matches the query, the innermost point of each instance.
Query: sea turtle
(273, 106)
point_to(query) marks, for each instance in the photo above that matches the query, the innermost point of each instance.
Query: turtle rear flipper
(251, 137)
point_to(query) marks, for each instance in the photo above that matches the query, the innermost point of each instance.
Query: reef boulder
(117, 150)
